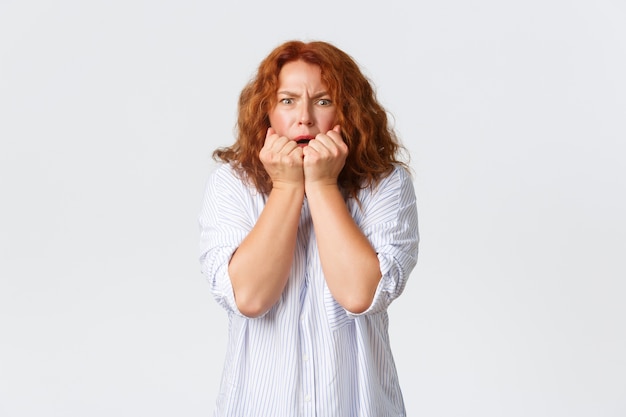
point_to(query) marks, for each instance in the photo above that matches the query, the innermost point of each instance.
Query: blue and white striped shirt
(308, 356)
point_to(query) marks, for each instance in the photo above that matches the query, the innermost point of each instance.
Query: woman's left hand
(324, 158)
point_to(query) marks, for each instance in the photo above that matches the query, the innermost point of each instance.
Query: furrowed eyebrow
(292, 94)
(320, 95)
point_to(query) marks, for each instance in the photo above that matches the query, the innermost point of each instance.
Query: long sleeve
(388, 218)
(227, 215)
(307, 355)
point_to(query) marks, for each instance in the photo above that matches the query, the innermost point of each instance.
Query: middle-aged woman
(308, 233)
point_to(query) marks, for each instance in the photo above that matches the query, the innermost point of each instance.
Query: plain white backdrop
(515, 116)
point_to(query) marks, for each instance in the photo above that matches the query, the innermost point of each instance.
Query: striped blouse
(307, 355)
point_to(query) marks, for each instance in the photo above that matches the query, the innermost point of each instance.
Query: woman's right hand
(282, 159)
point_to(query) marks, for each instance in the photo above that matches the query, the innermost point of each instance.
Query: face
(303, 107)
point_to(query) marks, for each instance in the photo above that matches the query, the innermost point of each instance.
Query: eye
(324, 102)
(286, 100)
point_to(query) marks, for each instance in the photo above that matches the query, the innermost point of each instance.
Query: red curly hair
(373, 145)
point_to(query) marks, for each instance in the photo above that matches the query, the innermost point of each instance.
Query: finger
(270, 138)
(297, 152)
(282, 145)
(316, 145)
(335, 134)
(274, 142)
(326, 141)
(289, 147)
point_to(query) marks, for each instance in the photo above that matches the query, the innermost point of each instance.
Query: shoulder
(399, 178)
(224, 175)
(391, 189)
(227, 181)
(223, 170)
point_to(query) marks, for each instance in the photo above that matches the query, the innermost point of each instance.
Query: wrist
(287, 187)
(321, 187)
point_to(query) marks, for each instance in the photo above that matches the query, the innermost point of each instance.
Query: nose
(306, 117)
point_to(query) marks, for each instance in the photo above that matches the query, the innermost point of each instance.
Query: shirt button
(305, 357)
(307, 398)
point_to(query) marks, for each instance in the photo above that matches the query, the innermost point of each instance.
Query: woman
(308, 233)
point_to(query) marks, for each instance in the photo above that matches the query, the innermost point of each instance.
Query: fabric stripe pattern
(307, 355)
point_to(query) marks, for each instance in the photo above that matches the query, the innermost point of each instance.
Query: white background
(515, 115)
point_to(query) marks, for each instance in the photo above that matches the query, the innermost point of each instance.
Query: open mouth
(304, 139)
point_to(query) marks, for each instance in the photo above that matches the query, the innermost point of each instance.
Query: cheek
(330, 120)
(278, 121)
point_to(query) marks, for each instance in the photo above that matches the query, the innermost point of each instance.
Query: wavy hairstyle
(373, 145)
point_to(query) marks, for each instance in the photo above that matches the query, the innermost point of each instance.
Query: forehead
(300, 72)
